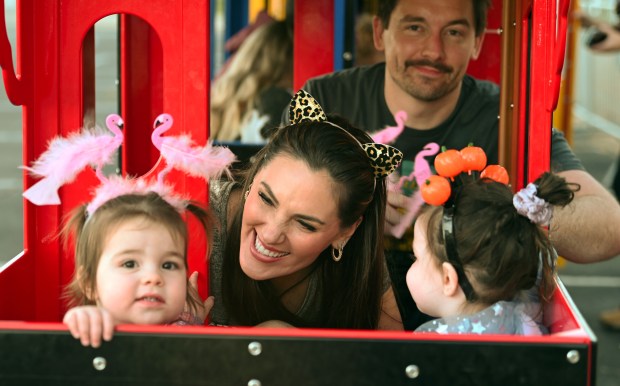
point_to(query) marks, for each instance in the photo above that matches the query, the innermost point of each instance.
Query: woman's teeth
(264, 251)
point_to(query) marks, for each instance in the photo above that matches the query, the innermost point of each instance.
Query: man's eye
(414, 27)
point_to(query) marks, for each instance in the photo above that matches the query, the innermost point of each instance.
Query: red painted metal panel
(541, 59)
(54, 86)
(314, 40)
(488, 65)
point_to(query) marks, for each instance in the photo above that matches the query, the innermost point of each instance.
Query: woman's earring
(337, 253)
(247, 192)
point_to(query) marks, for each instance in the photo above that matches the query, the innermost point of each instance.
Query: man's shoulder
(347, 81)
(481, 88)
(359, 73)
(352, 93)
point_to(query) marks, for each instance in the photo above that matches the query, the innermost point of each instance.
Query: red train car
(164, 67)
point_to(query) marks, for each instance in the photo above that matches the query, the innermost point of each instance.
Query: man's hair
(386, 7)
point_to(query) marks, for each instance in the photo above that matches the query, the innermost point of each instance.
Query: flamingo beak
(158, 123)
(120, 123)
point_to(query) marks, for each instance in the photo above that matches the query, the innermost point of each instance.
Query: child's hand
(90, 324)
(209, 301)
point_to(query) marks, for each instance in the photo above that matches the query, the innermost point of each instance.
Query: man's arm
(588, 229)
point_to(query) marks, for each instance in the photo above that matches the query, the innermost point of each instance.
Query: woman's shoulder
(220, 192)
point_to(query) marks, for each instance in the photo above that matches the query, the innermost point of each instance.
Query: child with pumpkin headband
(131, 240)
(483, 258)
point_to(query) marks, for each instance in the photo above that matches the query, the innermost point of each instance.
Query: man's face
(428, 46)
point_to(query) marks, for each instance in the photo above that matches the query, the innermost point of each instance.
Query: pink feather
(65, 158)
(421, 168)
(182, 153)
(117, 186)
(390, 133)
(421, 171)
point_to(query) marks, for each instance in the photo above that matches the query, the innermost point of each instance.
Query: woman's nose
(273, 233)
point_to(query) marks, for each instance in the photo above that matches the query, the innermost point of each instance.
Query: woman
(303, 230)
(257, 84)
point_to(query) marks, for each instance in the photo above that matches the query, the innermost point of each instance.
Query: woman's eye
(265, 199)
(307, 226)
(129, 264)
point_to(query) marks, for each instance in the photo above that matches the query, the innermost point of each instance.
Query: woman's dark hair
(500, 249)
(386, 7)
(350, 289)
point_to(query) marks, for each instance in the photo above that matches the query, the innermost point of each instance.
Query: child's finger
(193, 280)
(96, 327)
(208, 303)
(108, 326)
(83, 327)
(70, 320)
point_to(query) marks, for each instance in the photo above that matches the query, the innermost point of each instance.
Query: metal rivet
(412, 371)
(99, 363)
(255, 348)
(572, 356)
(254, 382)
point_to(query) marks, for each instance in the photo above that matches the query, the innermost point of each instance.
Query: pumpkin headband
(442, 189)
(65, 158)
(384, 159)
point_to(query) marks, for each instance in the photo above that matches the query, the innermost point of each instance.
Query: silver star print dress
(503, 317)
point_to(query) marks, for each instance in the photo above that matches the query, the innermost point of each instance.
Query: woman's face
(290, 217)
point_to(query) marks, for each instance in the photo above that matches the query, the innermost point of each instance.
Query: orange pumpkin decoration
(474, 158)
(496, 173)
(449, 163)
(435, 190)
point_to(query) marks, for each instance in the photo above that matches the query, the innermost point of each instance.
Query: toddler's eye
(170, 265)
(129, 264)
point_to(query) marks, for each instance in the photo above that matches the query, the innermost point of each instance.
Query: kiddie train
(165, 67)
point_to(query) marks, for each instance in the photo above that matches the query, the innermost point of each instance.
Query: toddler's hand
(209, 301)
(90, 324)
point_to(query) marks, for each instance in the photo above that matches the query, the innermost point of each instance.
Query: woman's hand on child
(90, 324)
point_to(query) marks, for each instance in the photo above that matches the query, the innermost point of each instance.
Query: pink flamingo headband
(66, 157)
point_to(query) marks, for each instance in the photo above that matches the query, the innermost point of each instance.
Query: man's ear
(377, 33)
(450, 279)
(478, 46)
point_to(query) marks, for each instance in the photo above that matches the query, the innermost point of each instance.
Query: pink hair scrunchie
(533, 207)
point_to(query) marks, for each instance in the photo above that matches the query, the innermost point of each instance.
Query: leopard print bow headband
(384, 159)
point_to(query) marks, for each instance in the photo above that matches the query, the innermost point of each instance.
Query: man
(428, 45)
(608, 41)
